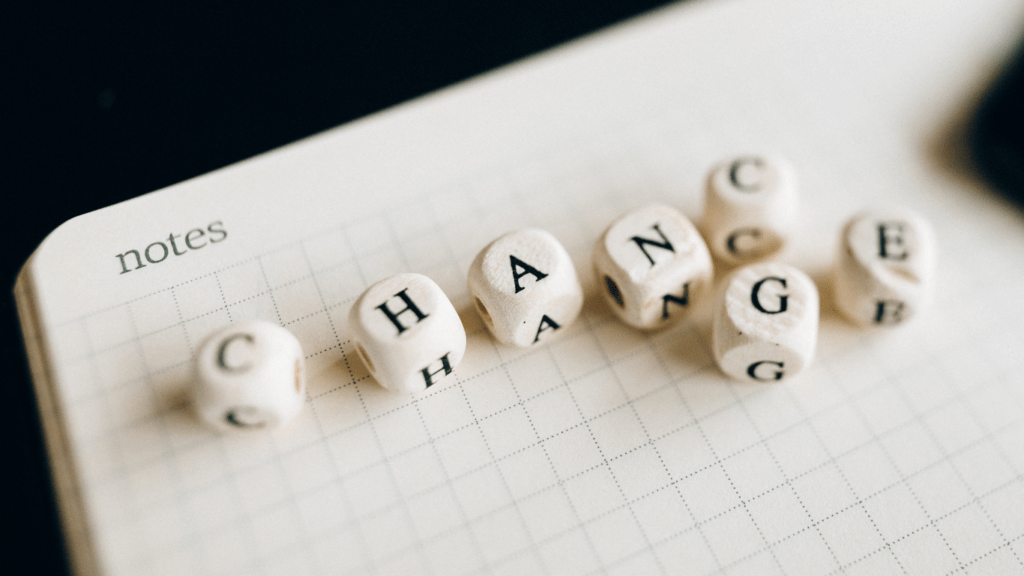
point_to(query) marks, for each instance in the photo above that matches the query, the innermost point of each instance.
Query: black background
(104, 102)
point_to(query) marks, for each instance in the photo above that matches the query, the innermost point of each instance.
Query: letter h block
(883, 275)
(407, 332)
(652, 265)
(766, 323)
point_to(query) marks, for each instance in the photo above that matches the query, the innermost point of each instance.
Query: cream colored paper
(610, 451)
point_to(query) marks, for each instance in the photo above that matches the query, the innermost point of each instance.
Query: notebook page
(610, 450)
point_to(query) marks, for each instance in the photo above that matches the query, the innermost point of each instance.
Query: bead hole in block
(366, 357)
(483, 312)
(613, 289)
(298, 376)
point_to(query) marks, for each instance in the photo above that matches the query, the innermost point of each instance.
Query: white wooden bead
(652, 265)
(525, 287)
(883, 274)
(750, 208)
(407, 332)
(766, 322)
(249, 375)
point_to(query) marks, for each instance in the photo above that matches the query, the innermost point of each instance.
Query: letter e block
(525, 287)
(652, 265)
(249, 376)
(750, 209)
(766, 323)
(407, 332)
(883, 274)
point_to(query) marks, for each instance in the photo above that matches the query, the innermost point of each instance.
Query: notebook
(609, 451)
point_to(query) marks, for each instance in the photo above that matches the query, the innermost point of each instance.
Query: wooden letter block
(750, 209)
(652, 265)
(525, 287)
(766, 323)
(407, 332)
(883, 275)
(248, 376)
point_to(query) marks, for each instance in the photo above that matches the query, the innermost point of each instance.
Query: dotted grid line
(180, 498)
(560, 482)
(676, 482)
(650, 443)
(419, 545)
(764, 444)
(75, 521)
(867, 391)
(813, 525)
(962, 401)
(232, 476)
(460, 384)
(392, 479)
(720, 463)
(226, 307)
(91, 519)
(348, 505)
(833, 461)
(876, 440)
(170, 367)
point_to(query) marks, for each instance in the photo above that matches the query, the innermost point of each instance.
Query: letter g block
(766, 323)
(249, 376)
(407, 332)
(652, 266)
(883, 275)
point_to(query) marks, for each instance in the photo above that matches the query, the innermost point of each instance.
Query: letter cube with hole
(407, 332)
(525, 287)
(249, 375)
(883, 274)
(750, 208)
(766, 322)
(652, 265)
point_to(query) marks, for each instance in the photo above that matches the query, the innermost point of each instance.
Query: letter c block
(249, 376)
(750, 208)
(766, 323)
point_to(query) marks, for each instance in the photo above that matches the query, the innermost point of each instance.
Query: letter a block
(407, 332)
(750, 209)
(652, 265)
(525, 287)
(883, 275)
(766, 324)
(249, 376)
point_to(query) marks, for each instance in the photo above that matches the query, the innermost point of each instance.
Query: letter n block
(883, 274)
(407, 332)
(652, 266)
(766, 323)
